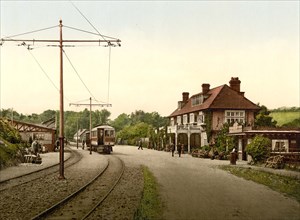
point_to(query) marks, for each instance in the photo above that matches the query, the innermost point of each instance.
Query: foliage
(205, 148)
(224, 142)
(9, 133)
(133, 133)
(81, 120)
(208, 123)
(121, 122)
(282, 184)
(259, 148)
(140, 125)
(264, 119)
(286, 109)
(287, 118)
(9, 153)
(151, 205)
(10, 144)
(293, 124)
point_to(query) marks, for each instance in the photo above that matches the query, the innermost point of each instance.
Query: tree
(120, 122)
(46, 115)
(259, 148)
(263, 119)
(224, 142)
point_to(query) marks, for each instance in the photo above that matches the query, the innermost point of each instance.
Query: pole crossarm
(60, 43)
(109, 42)
(101, 105)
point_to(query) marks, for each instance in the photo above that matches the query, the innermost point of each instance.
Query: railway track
(28, 177)
(87, 200)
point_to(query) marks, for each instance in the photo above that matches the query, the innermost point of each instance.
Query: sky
(167, 47)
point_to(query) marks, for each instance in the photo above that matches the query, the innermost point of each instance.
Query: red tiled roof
(221, 97)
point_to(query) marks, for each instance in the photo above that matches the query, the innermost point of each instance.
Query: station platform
(48, 159)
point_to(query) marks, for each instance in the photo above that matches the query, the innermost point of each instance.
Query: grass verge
(150, 207)
(283, 184)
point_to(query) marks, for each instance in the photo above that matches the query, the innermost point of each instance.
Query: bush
(259, 148)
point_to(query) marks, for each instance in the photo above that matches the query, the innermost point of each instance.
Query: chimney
(205, 88)
(185, 97)
(235, 84)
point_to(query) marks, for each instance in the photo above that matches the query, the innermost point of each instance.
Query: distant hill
(285, 115)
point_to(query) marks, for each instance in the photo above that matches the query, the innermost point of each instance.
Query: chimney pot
(235, 84)
(185, 97)
(205, 88)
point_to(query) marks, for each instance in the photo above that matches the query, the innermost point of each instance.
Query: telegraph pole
(61, 91)
(61, 104)
(101, 105)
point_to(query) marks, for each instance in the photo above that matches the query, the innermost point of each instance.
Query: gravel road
(193, 188)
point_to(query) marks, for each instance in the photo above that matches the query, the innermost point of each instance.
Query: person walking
(83, 143)
(179, 149)
(140, 145)
(172, 149)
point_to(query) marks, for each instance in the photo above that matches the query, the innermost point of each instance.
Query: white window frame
(192, 118)
(232, 116)
(185, 119)
(172, 122)
(280, 143)
(201, 118)
(197, 100)
(179, 120)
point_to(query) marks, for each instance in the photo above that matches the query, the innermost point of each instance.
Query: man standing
(172, 149)
(179, 149)
(140, 144)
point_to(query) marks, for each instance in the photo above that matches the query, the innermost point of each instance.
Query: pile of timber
(276, 162)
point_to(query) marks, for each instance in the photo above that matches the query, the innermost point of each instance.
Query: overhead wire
(29, 47)
(108, 86)
(30, 32)
(88, 20)
(46, 74)
(89, 32)
(78, 74)
(109, 45)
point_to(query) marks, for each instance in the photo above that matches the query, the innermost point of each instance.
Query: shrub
(259, 148)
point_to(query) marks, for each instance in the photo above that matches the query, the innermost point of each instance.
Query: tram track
(82, 203)
(74, 158)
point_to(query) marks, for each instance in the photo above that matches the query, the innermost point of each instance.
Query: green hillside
(285, 117)
(10, 145)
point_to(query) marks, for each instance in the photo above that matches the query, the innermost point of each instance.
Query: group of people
(180, 147)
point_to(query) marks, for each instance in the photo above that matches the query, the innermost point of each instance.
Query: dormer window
(197, 100)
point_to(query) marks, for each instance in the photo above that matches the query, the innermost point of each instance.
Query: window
(201, 118)
(192, 118)
(235, 116)
(172, 122)
(280, 145)
(197, 100)
(179, 120)
(185, 119)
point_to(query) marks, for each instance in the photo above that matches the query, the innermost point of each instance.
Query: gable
(228, 98)
(221, 97)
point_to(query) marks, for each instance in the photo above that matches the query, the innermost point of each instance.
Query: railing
(185, 127)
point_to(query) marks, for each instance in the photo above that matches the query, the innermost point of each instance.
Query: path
(194, 188)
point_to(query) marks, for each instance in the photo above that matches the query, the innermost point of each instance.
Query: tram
(102, 139)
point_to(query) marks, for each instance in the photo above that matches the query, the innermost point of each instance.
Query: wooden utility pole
(61, 104)
(101, 105)
(61, 90)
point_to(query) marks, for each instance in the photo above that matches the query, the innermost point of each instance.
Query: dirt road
(194, 188)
